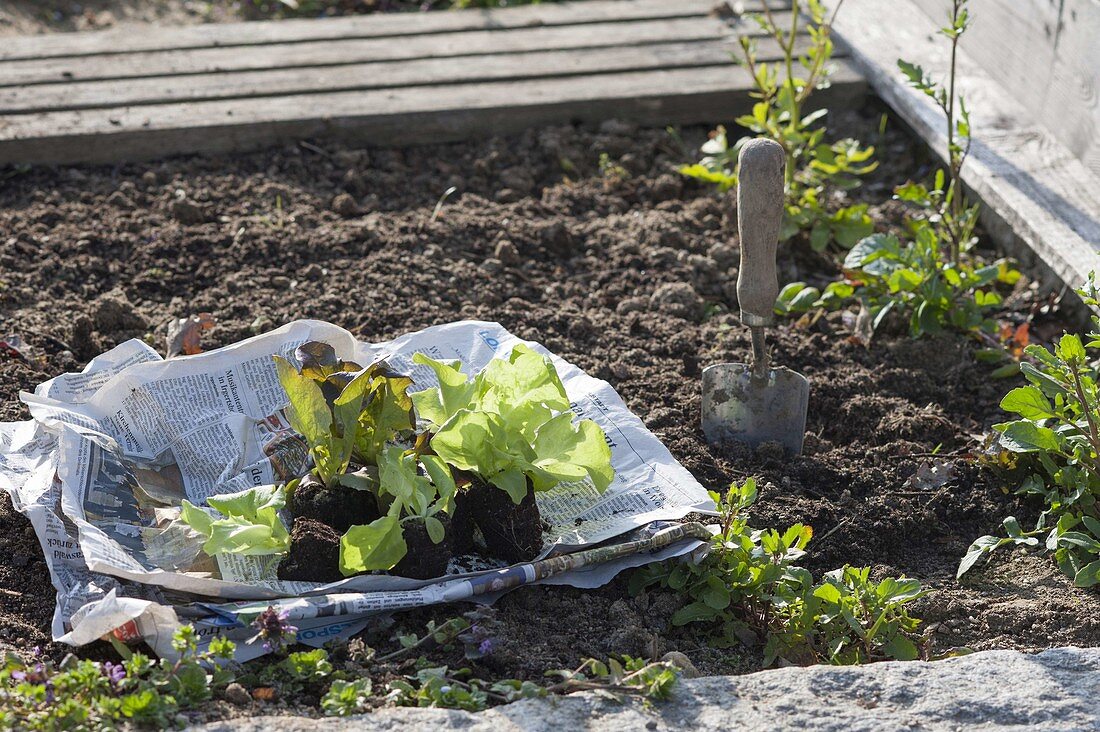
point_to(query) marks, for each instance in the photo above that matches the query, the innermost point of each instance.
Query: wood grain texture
(394, 116)
(1048, 54)
(1039, 199)
(107, 98)
(374, 75)
(126, 40)
(357, 50)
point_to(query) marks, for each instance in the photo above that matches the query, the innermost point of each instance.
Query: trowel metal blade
(740, 408)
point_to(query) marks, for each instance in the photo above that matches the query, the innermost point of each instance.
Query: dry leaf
(185, 334)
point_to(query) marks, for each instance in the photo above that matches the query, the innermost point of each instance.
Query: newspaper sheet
(101, 469)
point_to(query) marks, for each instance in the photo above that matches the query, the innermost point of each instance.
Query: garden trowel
(755, 403)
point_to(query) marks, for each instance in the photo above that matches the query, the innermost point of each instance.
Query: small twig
(313, 148)
(833, 530)
(442, 199)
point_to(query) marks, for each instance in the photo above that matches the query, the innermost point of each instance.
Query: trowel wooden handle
(759, 216)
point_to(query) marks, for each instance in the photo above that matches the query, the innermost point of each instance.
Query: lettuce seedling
(250, 522)
(342, 410)
(412, 496)
(511, 425)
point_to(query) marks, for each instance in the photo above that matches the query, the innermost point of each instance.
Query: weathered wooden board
(374, 75)
(124, 40)
(402, 116)
(380, 79)
(1039, 199)
(1048, 54)
(177, 64)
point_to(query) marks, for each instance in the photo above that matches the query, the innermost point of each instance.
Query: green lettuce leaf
(570, 452)
(511, 423)
(377, 545)
(250, 522)
(454, 392)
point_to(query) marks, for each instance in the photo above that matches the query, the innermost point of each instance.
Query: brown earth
(630, 278)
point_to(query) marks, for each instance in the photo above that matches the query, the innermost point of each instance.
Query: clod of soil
(338, 507)
(462, 528)
(512, 533)
(314, 554)
(424, 559)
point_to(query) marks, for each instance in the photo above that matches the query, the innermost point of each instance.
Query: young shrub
(813, 167)
(913, 280)
(947, 207)
(749, 589)
(932, 279)
(1056, 439)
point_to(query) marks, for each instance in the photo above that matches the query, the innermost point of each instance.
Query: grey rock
(682, 662)
(238, 695)
(994, 690)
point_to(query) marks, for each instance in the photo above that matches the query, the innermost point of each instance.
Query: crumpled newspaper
(111, 452)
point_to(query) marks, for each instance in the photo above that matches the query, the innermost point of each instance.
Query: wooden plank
(393, 116)
(126, 40)
(335, 52)
(382, 75)
(1039, 200)
(1051, 64)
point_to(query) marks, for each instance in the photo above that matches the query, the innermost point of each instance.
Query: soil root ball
(314, 553)
(424, 559)
(512, 533)
(338, 507)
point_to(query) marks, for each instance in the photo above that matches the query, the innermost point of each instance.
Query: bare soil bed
(630, 278)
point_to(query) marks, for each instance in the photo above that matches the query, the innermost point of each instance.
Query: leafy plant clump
(83, 694)
(1056, 443)
(749, 590)
(932, 279)
(419, 489)
(509, 433)
(914, 280)
(343, 410)
(511, 425)
(440, 686)
(814, 167)
(390, 491)
(250, 522)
